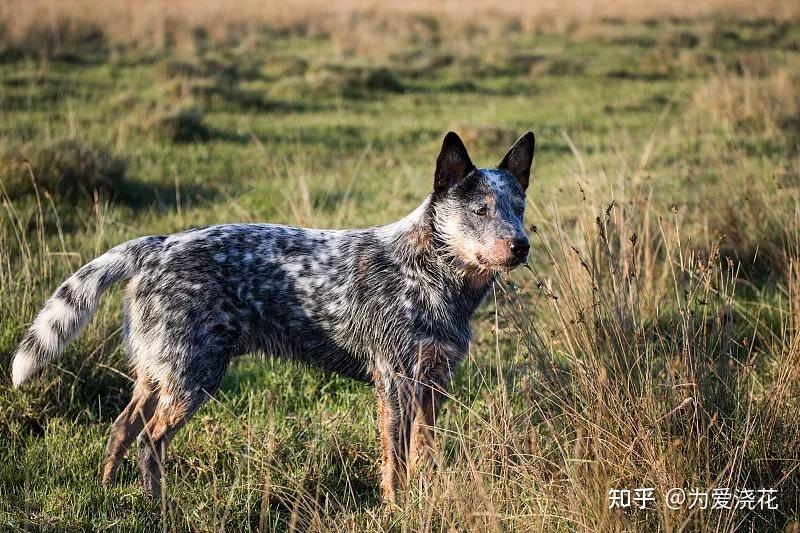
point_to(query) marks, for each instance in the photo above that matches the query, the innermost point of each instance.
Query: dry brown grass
(761, 105)
(46, 25)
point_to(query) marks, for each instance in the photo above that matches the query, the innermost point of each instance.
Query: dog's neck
(415, 237)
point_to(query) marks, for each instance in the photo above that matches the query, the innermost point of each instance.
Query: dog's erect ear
(518, 160)
(453, 163)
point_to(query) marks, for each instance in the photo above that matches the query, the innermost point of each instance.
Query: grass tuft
(181, 125)
(71, 170)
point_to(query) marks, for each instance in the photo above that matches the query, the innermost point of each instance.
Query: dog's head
(478, 212)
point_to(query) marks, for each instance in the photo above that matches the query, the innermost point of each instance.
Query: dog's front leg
(432, 375)
(422, 447)
(395, 395)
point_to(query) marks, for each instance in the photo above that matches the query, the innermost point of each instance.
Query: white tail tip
(22, 368)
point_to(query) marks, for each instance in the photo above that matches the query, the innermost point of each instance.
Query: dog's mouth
(498, 266)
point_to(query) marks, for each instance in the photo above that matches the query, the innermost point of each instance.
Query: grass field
(654, 342)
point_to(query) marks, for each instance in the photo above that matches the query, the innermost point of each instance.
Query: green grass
(577, 378)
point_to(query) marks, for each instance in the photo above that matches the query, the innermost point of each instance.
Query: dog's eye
(481, 211)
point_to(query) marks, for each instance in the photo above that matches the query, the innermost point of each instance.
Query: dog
(387, 305)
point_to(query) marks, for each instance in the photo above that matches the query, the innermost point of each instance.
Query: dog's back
(226, 290)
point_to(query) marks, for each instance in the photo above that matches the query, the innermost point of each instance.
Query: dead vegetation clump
(765, 106)
(334, 80)
(69, 169)
(743, 119)
(215, 82)
(179, 125)
(231, 70)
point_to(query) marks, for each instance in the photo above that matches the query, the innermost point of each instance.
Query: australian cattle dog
(388, 305)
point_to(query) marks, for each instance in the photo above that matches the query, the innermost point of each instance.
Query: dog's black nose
(520, 248)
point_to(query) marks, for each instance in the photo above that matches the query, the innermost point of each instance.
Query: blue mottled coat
(390, 304)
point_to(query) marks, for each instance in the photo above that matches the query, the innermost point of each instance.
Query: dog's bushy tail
(75, 301)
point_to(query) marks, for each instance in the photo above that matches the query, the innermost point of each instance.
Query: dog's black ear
(452, 164)
(519, 158)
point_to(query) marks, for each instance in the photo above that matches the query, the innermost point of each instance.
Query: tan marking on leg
(169, 417)
(433, 374)
(127, 427)
(394, 419)
(422, 439)
(388, 465)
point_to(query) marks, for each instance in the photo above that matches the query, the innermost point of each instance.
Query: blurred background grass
(653, 343)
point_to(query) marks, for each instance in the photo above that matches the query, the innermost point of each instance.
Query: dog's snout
(519, 248)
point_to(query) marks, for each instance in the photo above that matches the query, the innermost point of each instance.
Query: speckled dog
(388, 305)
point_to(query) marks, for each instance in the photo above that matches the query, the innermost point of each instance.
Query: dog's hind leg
(168, 419)
(174, 409)
(127, 427)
